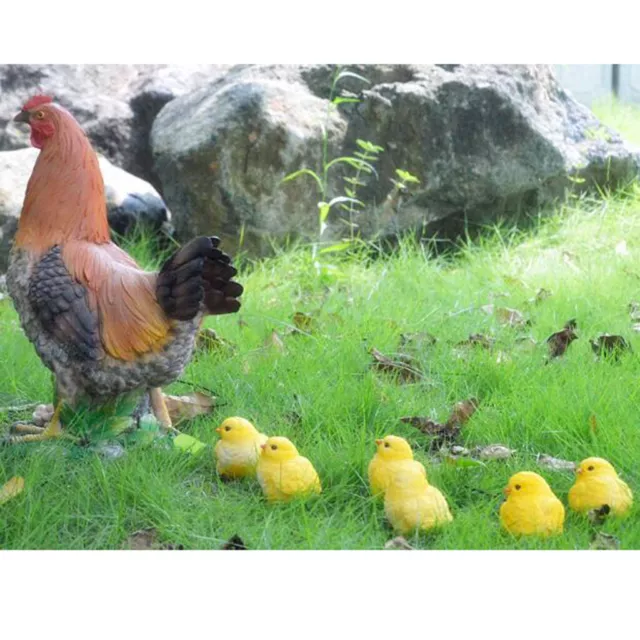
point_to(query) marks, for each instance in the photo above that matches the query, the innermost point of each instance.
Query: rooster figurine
(106, 328)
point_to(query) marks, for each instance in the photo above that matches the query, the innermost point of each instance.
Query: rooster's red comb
(36, 101)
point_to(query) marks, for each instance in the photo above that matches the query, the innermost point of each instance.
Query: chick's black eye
(274, 447)
(517, 487)
(590, 468)
(386, 444)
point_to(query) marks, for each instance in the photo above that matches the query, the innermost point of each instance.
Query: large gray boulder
(222, 155)
(485, 141)
(116, 104)
(130, 200)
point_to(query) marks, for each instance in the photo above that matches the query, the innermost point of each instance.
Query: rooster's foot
(160, 411)
(31, 433)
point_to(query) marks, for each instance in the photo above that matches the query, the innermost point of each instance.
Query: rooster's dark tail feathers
(198, 274)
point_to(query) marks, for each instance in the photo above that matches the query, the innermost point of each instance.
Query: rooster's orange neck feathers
(65, 198)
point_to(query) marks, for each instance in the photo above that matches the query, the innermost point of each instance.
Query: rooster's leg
(52, 430)
(159, 409)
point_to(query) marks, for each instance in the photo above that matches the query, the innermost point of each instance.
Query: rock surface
(222, 153)
(130, 200)
(486, 141)
(116, 104)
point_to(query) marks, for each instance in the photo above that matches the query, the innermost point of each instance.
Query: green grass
(321, 392)
(624, 118)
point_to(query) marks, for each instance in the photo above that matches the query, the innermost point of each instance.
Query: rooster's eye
(517, 487)
(274, 447)
(39, 115)
(590, 468)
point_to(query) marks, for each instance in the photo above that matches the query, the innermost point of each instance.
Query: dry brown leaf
(493, 452)
(147, 540)
(12, 488)
(511, 317)
(559, 342)
(398, 543)
(462, 411)
(598, 516)
(275, 341)
(419, 340)
(142, 540)
(609, 346)
(441, 434)
(444, 434)
(234, 543)
(555, 464)
(506, 316)
(457, 450)
(541, 296)
(477, 340)
(188, 407)
(209, 341)
(404, 366)
(571, 260)
(304, 322)
(604, 542)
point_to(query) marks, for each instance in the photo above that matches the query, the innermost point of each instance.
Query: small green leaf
(188, 443)
(341, 100)
(341, 246)
(463, 462)
(304, 172)
(369, 146)
(353, 162)
(324, 210)
(405, 176)
(365, 156)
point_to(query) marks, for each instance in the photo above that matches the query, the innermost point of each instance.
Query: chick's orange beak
(378, 441)
(506, 491)
(263, 446)
(23, 116)
(218, 429)
(579, 470)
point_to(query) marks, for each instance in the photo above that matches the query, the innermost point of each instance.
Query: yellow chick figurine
(238, 450)
(597, 484)
(411, 503)
(393, 454)
(531, 507)
(283, 473)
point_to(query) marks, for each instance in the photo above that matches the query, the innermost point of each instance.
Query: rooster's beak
(23, 116)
